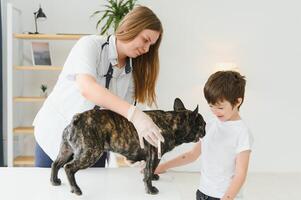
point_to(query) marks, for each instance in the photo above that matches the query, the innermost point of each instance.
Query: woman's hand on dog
(145, 127)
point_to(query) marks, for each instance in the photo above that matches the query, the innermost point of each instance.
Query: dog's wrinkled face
(196, 129)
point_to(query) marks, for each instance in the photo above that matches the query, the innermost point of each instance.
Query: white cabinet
(23, 102)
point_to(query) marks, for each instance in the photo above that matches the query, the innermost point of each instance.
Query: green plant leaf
(96, 13)
(101, 19)
(107, 25)
(113, 13)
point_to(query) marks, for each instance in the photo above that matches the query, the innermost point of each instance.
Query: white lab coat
(86, 57)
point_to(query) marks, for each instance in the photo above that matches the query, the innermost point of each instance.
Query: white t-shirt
(86, 57)
(220, 146)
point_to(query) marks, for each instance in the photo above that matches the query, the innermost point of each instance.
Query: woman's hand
(145, 127)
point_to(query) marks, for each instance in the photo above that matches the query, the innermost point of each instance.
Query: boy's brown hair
(225, 85)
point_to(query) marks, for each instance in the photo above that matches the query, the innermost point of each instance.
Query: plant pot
(43, 94)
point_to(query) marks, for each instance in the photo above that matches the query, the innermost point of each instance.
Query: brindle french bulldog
(95, 131)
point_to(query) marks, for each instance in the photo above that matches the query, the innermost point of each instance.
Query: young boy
(226, 148)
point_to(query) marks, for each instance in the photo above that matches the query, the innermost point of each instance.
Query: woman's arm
(241, 170)
(180, 160)
(99, 95)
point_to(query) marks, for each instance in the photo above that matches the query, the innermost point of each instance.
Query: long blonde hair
(146, 66)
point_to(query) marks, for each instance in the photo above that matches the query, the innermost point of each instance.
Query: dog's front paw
(76, 191)
(56, 182)
(155, 177)
(152, 190)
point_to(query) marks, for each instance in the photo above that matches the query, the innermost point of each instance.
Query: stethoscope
(109, 73)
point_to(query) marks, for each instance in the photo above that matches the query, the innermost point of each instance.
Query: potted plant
(43, 90)
(113, 13)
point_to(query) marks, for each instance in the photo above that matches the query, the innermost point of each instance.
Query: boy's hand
(227, 198)
(160, 169)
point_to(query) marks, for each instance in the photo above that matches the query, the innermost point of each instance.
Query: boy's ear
(178, 105)
(239, 101)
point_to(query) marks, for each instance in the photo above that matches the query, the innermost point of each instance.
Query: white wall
(261, 37)
(3, 14)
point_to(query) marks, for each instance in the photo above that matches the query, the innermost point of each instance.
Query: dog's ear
(178, 105)
(195, 112)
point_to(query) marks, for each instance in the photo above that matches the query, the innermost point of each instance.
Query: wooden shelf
(29, 99)
(27, 161)
(23, 130)
(39, 68)
(48, 36)
(11, 59)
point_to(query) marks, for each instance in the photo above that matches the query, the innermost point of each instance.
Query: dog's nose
(204, 132)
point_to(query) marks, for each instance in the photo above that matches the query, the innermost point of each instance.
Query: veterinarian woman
(110, 72)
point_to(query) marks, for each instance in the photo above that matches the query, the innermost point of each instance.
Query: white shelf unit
(12, 100)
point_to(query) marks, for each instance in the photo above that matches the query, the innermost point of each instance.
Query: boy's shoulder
(244, 134)
(238, 126)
